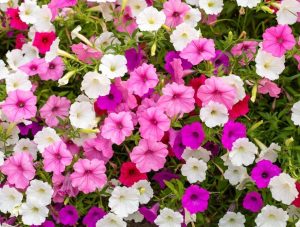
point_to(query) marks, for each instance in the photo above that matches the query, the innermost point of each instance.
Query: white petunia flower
(137, 6)
(194, 170)
(231, 219)
(53, 52)
(192, 2)
(15, 58)
(145, 191)
(3, 70)
(271, 216)
(268, 66)
(10, 198)
(243, 152)
(28, 10)
(235, 174)
(192, 17)
(283, 188)
(168, 218)
(296, 113)
(106, 39)
(33, 213)
(2, 156)
(269, 153)
(95, 85)
(124, 201)
(43, 22)
(248, 3)
(13, 136)
(237, 83)
(29, 52)
(107, 10)
(111, 220)
(150, 19)
(211, 6)
(287, 13)
(183, 35)
(40, 192)
(82, 115)
(199, 153)
(26, 145)
(214, 114)
(137, 217)
(113, 66)
(46, 137)
(18, 80)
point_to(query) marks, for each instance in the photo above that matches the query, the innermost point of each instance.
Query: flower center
(45, 40)
(264, 175)
(195, 134)
(33, 68)
(194, 197)
(51, 66)
(176, 14)
(20, 104)
(111, 96)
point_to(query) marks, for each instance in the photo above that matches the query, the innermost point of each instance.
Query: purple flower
(163, 176)
(212, 147)
(32, 128)
(170, 56)
(263, 172)
(47, 223)
(192, 135)
(94, 214)
(149, 214)
(110, 101)
(134, 58)
(178, 146)
(220, 61)
(68, 215)
(231, 132)
(253, 202)
(195, 199)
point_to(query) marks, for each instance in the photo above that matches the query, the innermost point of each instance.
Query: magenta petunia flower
(52, 70)
(169, 66)
(150, 214)
(163, 176)
(14, 19)
(93, 215)
(43, 41)
(195, 199)
(231, 132)
(176, 143)
(278, 39)
(263, 172)
(19, 105)
(253, 202)
(110, 101)
(175, 10)
(192, 135)
(134, 58)
(199, 50)
(68, 215)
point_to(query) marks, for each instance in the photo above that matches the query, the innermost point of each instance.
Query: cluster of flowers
(144, 118)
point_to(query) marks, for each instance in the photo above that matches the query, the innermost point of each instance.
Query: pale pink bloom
(125, 22)
(88, 175)
(98, 148)
(142, 79)
(199, 50)
(33, 67)
(55, 108)
(266, 86)
(117, 126)
(214, 89)
(19, 169)
(149, 155)
(175, 10)
(145, 104)
(128, 98)
(52, 70)
(153, 124)
(179, 72)
(56, 157)
(62, 186)
(177, 99)
(278, 39)
(19, 105)
(246, 49)
(85, 53)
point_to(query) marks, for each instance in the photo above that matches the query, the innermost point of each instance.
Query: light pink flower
(89, 175)
(142, 79)
(52, 70)
(149, 155)
(199, 50)
(98, 148)
(278, 39)
(179, 72)
(175, 10)
(129, 100)
(54, 108)
(62, 186)
(56, 157)
(125, 22)
(33, 67)
(86, 53)
(177, 99)
(246, 49)
(214, 89)
(266, 86)
(153, 124)
(19, 169)
(117, 126)
(19, 105)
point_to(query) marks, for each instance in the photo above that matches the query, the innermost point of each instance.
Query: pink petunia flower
(14, 19)
(56, 157)
(89, 175)
(214, 89)
(20, 41)
(199, 50)
(125, 22)
(175, 10)
(177, 99)
(246, 49)
(179, 72)
(52, 70)
(85, 53)
(266, 86)
(142, 79)
(62, 186)
(19, 105)
(297, 57)
(153, 124)
(278, 39)
(55, 108)
(98, 148)
(117, 126)
(149, 155)
(33, 67)
(43, 41)
(19, 169)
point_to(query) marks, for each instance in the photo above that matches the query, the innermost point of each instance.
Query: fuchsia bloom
(19, 105)
(153, 124)
(55, 108)
(142, 79)
(43, 41)
(177, 99)
(68, 215)
(240, 109)
(214, 89)
(19, 169)
(117, 126)
(53, 70)
(56, 157)
(297, 57)
(86, 53)
(129, 174)
(175, 11)
(110, 101)
(20, 40)
(134, 58)
(278, 39)
(14, 20)
(150, 214)
(149, 155)
(195, 199)
(253, 202)
(98, 148)
(89, 175)
(192, 135)
(231, 132)
(199, 50)
(93, 215)
(266, 86)
(33, 67)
